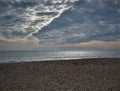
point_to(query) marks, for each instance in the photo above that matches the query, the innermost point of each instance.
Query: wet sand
(71, 75)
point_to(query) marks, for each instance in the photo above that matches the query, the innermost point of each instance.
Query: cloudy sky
(36, 24)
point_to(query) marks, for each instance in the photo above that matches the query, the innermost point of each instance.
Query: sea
(11, 56)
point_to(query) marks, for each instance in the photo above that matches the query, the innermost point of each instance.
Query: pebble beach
(100, 74)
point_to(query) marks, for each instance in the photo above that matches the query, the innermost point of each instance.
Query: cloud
(21, 18)
(84, 22)
(19, 44)
(98, 44)
(59, 22)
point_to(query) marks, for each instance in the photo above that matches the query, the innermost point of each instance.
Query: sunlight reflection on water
(18, 56)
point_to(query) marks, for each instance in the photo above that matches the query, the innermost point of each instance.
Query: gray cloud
(96, 20)
(21, 18)
(60, 21)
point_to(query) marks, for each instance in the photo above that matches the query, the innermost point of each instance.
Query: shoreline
(96, 74)
(55, 60)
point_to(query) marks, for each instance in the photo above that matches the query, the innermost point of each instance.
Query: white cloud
(27, 20)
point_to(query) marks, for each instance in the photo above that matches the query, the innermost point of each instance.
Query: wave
(28, 56)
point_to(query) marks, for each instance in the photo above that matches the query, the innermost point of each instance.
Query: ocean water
(44, 55)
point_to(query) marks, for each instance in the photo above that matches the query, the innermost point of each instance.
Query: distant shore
(100, 74)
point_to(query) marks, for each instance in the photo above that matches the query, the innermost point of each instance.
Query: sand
(71, 75)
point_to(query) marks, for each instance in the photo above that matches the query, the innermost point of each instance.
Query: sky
(41, 24)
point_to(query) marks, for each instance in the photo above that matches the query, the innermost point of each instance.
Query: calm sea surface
(43, 55)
